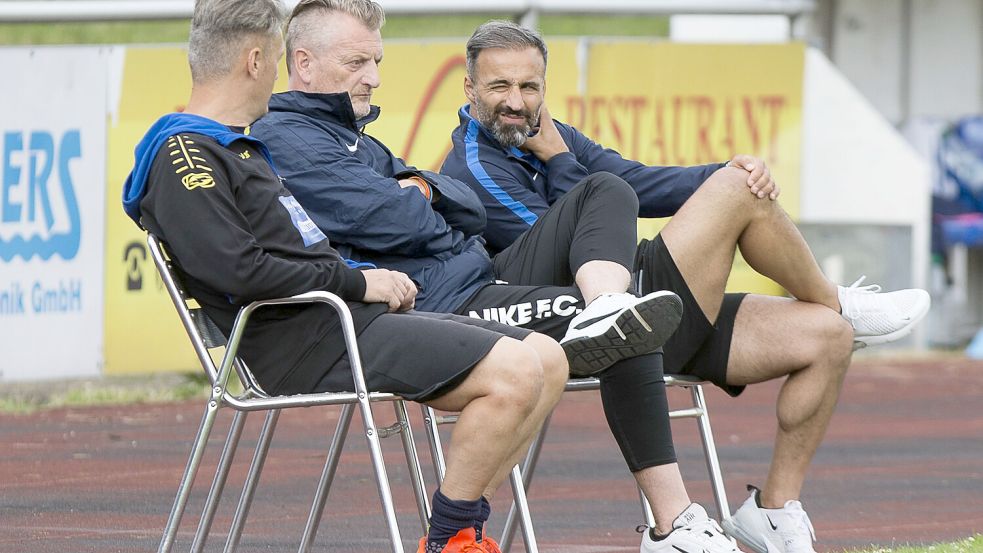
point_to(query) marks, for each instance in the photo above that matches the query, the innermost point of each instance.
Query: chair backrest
(204, 334)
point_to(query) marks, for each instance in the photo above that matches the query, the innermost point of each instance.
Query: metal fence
(526, 11)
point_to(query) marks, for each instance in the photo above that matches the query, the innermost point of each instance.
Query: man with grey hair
(209, 190)
(379, 210)
(522, 163)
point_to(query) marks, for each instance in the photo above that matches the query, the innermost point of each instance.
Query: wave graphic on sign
(65, 244)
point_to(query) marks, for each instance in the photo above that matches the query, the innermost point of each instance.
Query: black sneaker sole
(591, 355)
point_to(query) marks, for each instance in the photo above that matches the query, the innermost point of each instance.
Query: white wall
(856, 168)
(911, 59)
(946, 58)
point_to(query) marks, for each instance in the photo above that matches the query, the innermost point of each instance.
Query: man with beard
(576, 258)
(521, 163)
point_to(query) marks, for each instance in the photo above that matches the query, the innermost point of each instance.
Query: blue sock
(449, 516)
(482, 518)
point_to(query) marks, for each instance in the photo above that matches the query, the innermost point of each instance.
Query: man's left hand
(759, 181)
(547, 142)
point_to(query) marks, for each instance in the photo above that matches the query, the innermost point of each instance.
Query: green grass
(405, 26)
(115, 32)
(973, 544)
(30, 397)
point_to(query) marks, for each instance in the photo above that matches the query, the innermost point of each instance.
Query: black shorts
(419, 356)
(697, 348)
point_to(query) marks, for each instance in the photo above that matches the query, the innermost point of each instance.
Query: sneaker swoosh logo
(681, 550)
(589, 322)
(773, 527)
(352, 147)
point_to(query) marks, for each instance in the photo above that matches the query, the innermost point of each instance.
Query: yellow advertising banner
(659, 103)
(685, 104)
(142, 331)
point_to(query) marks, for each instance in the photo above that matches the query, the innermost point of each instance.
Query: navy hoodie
(347, 182)
(516, 188)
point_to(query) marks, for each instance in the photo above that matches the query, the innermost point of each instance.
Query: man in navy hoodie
(521, 162)
(379, 210)
(236, 235)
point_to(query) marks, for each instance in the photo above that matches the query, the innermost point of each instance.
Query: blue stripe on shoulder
(503, 197)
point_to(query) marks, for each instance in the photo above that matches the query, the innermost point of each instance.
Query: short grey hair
(502, 34)
(303, 23)
(220, 28)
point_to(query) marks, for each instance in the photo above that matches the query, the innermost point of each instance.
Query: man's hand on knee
(759, 179)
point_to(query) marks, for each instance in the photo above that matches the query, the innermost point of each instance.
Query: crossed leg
(804, 339)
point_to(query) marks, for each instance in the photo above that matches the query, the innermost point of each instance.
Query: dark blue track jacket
(516, 187)
(347, 182)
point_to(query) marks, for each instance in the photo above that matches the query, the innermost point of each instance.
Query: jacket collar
(466, 119)
(335, 108)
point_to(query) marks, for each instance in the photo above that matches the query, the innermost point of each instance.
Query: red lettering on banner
(677, 109)
(659, 142)
(575, 111)
(704, 118)
(596, 104)
(635, 106)
(775, 104)
(441, 75)
(727, 142)
(681, 129)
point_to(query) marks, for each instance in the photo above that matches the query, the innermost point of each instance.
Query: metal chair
(205, 336)
(521, 477)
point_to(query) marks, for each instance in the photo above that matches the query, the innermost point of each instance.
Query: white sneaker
(880, 318)
(618, 326)
(785, 530)
(692, 532)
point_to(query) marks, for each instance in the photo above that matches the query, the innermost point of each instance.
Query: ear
(302, 59)
(469, 88)
(254, 62)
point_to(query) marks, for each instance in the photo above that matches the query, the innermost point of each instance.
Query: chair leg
(252, 478)
(710, 453)
(528, 467)
(327, 477)
(521, 505)
(379, 464)
(413, 464)
(433, 438)
(646, 509)
(188, 479)
(218, 483)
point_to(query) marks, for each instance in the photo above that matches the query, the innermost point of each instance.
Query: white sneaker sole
(866, 341)
(755, 543)
(642, 329)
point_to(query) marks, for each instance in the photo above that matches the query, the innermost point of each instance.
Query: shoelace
(858, 294)
(795, 513)
(710, 533)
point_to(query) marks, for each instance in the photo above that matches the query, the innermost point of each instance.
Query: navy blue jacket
(516, 187)
(347, 183)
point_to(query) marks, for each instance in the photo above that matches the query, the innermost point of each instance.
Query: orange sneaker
(462, 542)
(490, 545)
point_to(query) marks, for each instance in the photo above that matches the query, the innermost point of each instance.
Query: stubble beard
(507, 135)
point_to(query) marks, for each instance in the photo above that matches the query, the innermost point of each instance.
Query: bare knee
(833, 341)
(518, 379)
(553, 359)
(729, 186)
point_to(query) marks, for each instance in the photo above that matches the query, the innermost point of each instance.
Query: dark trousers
(594, 221)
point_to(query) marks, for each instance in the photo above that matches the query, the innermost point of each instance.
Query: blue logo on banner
(32, 171)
